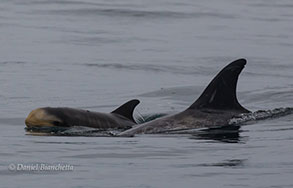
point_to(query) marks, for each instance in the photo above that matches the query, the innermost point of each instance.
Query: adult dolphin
(215, 106)
(121, 118)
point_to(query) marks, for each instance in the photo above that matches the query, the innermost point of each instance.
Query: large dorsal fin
(221, 92)
(126, 109)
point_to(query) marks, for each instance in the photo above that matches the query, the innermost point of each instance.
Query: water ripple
(152, 67)
(124, 12)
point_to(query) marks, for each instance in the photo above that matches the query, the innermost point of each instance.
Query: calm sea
(97, 54)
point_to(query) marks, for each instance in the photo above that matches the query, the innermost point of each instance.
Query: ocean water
(96, 54)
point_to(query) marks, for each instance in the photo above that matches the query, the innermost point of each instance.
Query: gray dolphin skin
(215, 106)
(121, 118)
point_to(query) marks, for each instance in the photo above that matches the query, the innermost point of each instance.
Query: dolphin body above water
(121, 118)
(214, 108)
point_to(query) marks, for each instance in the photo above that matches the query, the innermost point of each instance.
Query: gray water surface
(96, 55)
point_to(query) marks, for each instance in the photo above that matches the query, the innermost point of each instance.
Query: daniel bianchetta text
(40, 167)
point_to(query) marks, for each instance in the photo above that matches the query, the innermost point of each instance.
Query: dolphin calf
(121, 118)
(215, 106)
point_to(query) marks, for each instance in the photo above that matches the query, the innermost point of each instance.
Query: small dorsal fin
(221, 92)
(126, 109)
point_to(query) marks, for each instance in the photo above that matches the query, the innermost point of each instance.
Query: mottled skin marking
(188, 119)
(39, 117)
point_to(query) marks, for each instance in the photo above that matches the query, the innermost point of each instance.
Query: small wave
(80, 3)
(12, 63)
(57, 3)
(71, 131)
(261, 115)
(124, 12)
(272, 4)
(226, 163)
(151, 67)
(118, 12)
